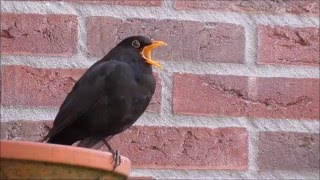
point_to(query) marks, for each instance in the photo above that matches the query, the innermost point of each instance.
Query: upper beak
(147, 50)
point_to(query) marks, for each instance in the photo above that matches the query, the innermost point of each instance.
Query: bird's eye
(136, 44)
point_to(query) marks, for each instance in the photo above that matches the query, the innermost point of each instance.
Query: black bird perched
(110, 96)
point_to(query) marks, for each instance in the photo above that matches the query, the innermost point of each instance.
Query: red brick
(185, 148)
(25, 130)
(28, 86)
(305, 7)
(35, 34)
(288, 45)
(147, 3)
(288, 151)
(155, 102)
(122, 2)
(286, 98)
(222, 42)
(187, 40)
(166, 147)
(229, 96)
(0, 88)
(209, 95)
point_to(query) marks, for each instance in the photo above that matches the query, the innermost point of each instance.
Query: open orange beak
(147, 50)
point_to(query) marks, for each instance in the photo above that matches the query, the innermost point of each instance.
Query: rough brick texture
(155, 102)
(209, 95)
(25, 130)
(27, 86)
(3, 131)
(165, 147)
(229, 96)
(0, 89)
(307, 7)
(115, 2)
(35, 34)
(288, 45)
(286, 98)
(190, 148)
(288, 151)
(187, 40)
(122, 2)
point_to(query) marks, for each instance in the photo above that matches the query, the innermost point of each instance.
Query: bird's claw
(116, 159)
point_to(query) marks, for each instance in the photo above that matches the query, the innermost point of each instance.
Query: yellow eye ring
(136, 44)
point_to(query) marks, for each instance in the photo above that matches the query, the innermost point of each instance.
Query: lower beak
(147, 50)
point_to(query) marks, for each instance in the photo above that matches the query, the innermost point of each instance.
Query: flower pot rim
(61, 154)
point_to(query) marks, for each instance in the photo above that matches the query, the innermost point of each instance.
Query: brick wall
(238, 96)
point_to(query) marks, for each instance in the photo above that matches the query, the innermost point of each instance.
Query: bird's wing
(85, 93)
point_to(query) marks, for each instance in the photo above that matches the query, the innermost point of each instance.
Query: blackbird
(110, 96)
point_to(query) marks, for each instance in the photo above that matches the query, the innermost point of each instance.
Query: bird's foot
(116, 159)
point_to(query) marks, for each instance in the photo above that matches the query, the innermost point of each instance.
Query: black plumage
(110, 96)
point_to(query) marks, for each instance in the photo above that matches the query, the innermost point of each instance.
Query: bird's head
(144, 47)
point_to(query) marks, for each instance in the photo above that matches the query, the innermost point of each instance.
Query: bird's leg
(116, 158)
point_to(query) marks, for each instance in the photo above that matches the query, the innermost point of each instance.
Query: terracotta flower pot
(30, 160)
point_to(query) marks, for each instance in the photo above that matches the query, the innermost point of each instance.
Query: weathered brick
(187, 40)
(288, 151)
(155, 103)
(147, 3)
(166, 147)
(209, 95)
(229, 96)
(0, 88)
(3, 131)
(288, 45)
(185, 148)
(306, 7)
(222, 42)
(26, 130)
(286, 98)
(28, 86)
(35, 34)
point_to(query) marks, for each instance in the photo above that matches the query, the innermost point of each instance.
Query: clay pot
(30, 160)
